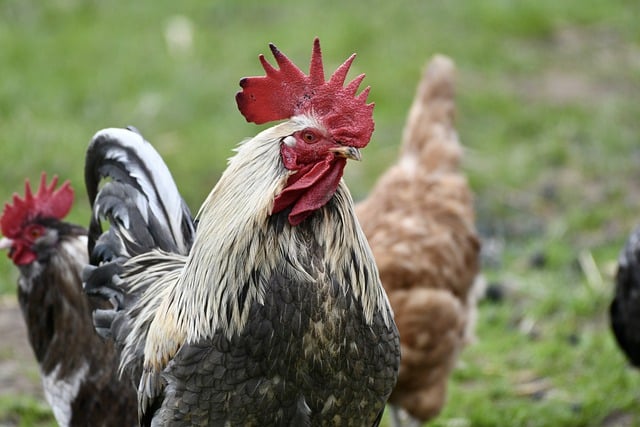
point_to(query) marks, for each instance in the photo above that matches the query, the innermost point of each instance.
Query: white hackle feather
(232, 230)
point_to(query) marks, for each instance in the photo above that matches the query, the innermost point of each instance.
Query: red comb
(46, 203)
(286, 92)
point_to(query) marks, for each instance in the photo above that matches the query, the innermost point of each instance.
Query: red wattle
(21, 255)
(310, 188)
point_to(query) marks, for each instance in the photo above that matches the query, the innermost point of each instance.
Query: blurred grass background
(547, 108)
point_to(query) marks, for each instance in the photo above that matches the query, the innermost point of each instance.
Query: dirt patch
(618, 419)
(600, 79)
(19, 373)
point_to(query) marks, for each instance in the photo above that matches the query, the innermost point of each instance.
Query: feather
(624, 311)
(419, 220)
(130, 185)
(141, 178)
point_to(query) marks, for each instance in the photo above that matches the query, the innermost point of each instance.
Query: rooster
(275, 314)
(79, 369)
(419, 220)
(624, 311)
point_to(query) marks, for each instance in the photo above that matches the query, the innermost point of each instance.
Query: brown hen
(419, 221)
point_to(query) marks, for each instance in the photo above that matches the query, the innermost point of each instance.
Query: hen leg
(400, 418)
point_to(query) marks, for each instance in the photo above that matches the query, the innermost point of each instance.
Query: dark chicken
(79, 369)
(275, 315)
(624, 311)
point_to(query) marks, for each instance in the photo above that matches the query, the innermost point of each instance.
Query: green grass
(25, 411)
(548, 111)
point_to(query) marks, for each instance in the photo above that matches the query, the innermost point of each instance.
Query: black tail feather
(138, 197)
(130, 187)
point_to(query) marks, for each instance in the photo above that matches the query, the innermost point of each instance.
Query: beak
(5, 243)
(347, 152)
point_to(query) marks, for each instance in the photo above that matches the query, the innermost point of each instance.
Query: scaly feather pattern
(225, 301)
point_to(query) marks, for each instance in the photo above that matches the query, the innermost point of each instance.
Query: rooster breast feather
(259, 322)
(309, 348)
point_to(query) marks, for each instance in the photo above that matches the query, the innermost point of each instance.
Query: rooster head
(21, 222)
(332, 124)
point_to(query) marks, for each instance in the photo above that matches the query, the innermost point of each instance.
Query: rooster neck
(54, 306)
(239, 245)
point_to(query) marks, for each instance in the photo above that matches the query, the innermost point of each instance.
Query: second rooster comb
(47, 202)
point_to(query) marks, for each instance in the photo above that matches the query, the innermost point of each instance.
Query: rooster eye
(34, 233)
(309, 137)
